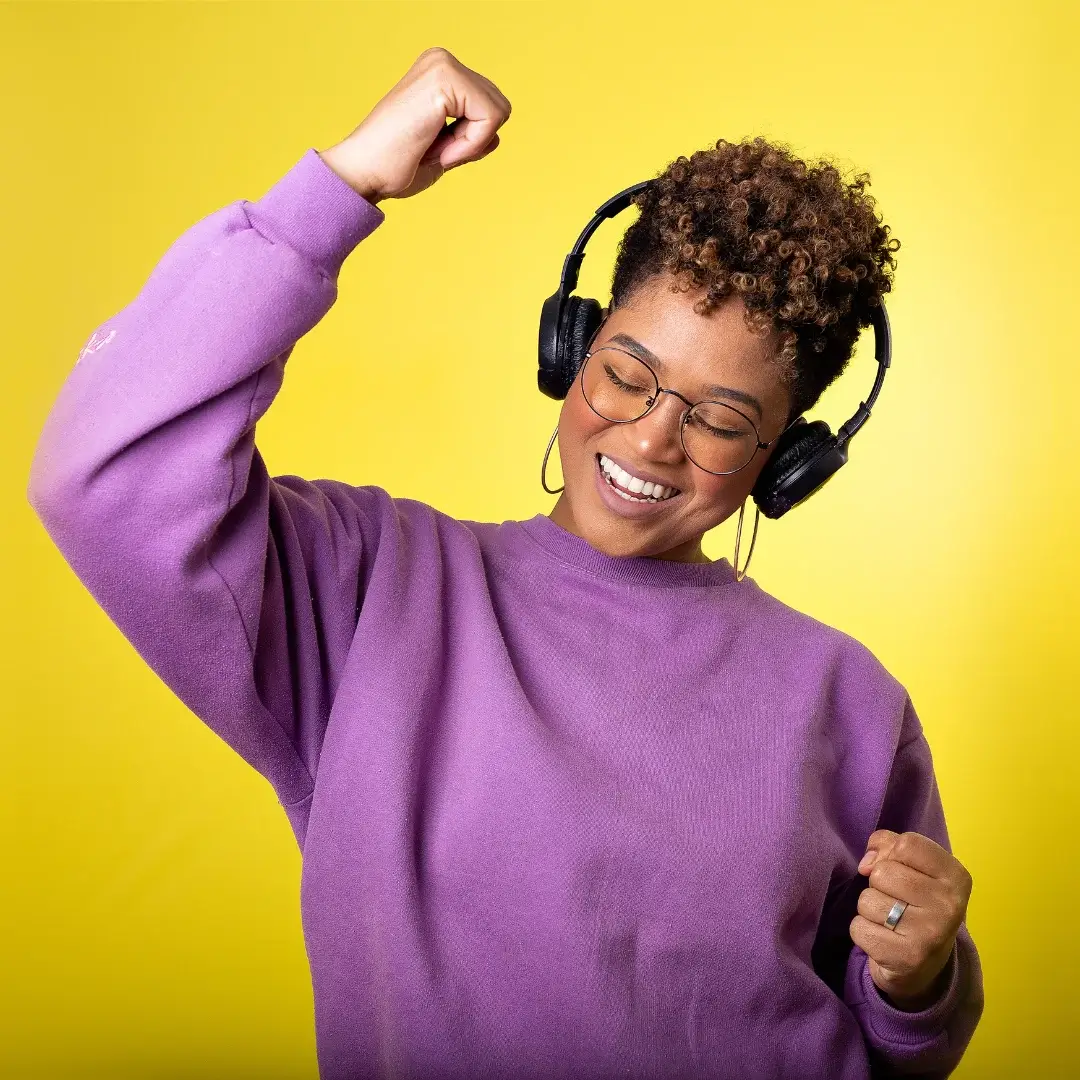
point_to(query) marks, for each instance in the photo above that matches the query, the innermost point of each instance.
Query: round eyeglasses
(716, 437)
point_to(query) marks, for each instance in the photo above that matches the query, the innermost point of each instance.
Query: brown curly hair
(802, 247)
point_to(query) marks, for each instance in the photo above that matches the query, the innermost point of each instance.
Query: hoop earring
(740, 574)
(543, 467)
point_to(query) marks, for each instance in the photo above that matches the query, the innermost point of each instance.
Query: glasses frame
(691, 405)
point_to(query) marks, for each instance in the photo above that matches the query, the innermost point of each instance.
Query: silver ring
(895, 912)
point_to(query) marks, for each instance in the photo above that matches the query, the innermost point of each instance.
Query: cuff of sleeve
(312, 210)
(895, 1025)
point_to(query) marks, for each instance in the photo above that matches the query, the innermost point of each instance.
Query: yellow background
(150, 900)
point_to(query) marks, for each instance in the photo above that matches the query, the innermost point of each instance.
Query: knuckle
(436, 59)
(957, 912)
(957, 896)
(939, 938)
(882, 876)
(905, 844)
(945, 905)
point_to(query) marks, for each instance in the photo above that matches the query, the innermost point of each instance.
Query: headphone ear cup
(582, 319)
(549, 372)
(806, 455)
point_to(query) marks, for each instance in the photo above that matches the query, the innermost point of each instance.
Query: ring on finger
(895, 912)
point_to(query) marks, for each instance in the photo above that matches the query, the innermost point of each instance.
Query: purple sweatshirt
(562, 814)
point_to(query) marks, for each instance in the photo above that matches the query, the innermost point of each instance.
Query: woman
(573, 800)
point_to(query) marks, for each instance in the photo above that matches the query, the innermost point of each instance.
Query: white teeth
(644, 490)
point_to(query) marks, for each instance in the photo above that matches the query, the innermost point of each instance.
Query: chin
(620, 547)
(621, 539)
(621, 528)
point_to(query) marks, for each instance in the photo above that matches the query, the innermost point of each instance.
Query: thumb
(879, 844)
(478, 157)
(465, 140)
(487, 149)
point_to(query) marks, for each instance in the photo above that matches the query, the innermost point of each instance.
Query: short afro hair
(803, 248)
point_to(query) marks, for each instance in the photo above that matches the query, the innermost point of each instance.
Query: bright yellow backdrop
(151, 896)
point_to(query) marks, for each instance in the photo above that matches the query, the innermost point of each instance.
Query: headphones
(805, 456)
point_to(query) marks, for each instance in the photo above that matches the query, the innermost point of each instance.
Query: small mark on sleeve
(99, 339)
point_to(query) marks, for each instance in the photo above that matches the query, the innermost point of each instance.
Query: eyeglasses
(716, 437)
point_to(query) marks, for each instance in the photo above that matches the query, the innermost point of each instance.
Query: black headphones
(805, 455)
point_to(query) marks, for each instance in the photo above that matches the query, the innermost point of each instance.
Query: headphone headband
(615, 205)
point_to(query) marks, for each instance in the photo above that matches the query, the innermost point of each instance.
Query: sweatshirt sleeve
(241, 591)
(927, 1044)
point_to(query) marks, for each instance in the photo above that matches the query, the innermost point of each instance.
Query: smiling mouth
(623, 484)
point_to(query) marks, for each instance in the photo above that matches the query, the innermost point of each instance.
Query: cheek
(719, 496)
(577, 425)
(715, 489)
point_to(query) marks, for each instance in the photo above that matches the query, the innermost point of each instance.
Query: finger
(881, 838)
(878, 845)
(489, 87)
(899, 880)
(487, 149)
(874, 906)
(922, 854)
(496, 94)
(887, 947)
(911, 848)
(435, 151)
(467, 140)
(478, 116)
(483, 153)
(440, 142)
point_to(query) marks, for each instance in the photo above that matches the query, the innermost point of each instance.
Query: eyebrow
(634, 346)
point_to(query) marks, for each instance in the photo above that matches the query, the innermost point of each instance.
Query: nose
(656, 435)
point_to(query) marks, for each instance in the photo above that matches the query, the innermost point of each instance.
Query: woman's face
(695, 352)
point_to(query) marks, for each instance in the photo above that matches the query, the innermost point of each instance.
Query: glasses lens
(617, 385)
(718, 438)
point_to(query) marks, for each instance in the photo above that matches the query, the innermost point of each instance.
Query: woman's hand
(405, 145)
(906, 963)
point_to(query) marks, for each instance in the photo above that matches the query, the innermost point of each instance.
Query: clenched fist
(906, 963)
(404, 145)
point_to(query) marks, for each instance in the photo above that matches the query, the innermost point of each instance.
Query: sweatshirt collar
(572, 549)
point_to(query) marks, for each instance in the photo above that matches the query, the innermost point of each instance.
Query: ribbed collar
(572, 549)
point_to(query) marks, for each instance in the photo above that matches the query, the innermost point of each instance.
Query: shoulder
(385, 522)
(806, 641)
(864, 712)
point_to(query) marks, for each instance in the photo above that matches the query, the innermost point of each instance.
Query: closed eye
(623, 385)
(715, 432)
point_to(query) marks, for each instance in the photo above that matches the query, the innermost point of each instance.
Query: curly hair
(803, 248)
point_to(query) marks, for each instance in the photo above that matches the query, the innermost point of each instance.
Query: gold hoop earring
(543, 467)
(740, 574)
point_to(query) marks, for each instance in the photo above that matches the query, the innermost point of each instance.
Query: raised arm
(147, 477)
(240, 590)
